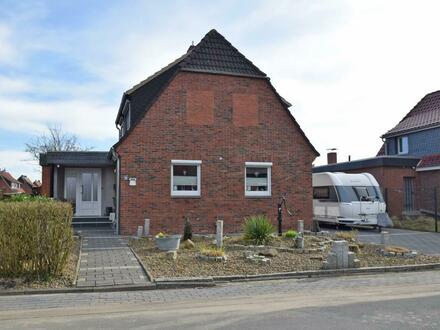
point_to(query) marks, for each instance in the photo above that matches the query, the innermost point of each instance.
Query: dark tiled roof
(5, 184)
(217, 55)
(25, 179)
(381, 151)
(429, 161)
(76, 158)
(381, 161)
(425, 114)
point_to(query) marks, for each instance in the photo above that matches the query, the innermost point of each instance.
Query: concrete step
(92, 222)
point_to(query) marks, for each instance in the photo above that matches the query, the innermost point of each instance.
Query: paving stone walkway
(106, 260)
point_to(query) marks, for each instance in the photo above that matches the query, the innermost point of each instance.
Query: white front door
(89, 192)
(82, 187)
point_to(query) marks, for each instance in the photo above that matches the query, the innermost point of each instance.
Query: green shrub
(291, 234)
(35, 237)
(26, 198)
(258, 229)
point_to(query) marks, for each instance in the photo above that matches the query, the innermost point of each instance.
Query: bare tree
(54, 140)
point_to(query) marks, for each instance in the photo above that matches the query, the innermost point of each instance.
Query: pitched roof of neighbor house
(5, 183)
(429, 161)
(24, 179)
(425, 114)
(213, 54)
(76, 158)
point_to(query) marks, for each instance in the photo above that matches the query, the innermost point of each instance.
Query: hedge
(35, 237)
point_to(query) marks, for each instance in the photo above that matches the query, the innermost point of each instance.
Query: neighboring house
(9, 185)
(408, 164)
(207, 137)
(28, 186)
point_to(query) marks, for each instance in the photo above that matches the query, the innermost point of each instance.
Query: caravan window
(349, 194)
(325, 194)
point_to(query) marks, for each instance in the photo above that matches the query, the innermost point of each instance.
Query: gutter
(115, 156)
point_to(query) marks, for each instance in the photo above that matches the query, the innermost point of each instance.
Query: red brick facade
(46, 180)
(261, 130)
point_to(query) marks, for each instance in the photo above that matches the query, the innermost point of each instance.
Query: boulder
(188, 244)
(268, 253)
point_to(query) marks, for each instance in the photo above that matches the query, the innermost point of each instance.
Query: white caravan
(350, 199)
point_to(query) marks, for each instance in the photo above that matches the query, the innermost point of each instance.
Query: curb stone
(199, 282)
(144, 268)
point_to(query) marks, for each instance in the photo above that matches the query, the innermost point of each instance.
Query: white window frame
(405, 147)
(183, 193)
(267, 193)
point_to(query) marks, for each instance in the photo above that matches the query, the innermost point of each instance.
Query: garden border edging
(198, 282)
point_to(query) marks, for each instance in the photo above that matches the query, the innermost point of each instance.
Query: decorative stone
(340, 257)
(269, 253)
(299, 242)
(188, 244)
(211, 258)
(171, 255)
(354, 248)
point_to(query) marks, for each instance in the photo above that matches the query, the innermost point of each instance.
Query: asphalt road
(385, 301)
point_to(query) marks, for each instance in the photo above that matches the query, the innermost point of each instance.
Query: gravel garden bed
(311, 258)
(64, 280)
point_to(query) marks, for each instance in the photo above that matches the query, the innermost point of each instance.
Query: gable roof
(24, 179)
(8, 176)
(425, 114)
(5, 184)
(213, 54)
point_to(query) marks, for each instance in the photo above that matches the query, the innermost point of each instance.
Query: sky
(351, 69)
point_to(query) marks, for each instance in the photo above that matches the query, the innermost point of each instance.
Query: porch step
(83, 222)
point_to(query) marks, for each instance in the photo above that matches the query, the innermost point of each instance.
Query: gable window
(185, 177)
(402, 145)
(258, 179)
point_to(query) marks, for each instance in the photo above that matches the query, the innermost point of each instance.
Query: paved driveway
(427, 243)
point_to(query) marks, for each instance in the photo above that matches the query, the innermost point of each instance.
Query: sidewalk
(106, 260)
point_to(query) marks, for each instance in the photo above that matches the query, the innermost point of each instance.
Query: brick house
(408, 164)
(9, 185)
(207, 137)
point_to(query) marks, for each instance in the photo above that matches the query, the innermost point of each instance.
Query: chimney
(332, 157)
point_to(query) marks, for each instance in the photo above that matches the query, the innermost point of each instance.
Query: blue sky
(351, 69)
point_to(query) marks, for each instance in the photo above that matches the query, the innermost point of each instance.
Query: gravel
(188, 265)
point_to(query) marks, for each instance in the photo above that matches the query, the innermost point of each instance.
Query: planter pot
(168, 243)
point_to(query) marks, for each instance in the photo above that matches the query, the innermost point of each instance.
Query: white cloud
(18, 163)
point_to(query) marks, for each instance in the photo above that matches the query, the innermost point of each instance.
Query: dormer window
(402, 145)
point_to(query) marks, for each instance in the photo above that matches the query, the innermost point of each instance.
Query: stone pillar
(385, 239)
(300, 225)
(340, 249)
(146, 227)
(140, 230)
(219, 233)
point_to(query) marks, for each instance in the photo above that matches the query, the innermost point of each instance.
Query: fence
(412, 206)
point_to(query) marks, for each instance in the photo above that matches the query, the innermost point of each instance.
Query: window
(402, 145)
(185, 177)
(258, 179)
